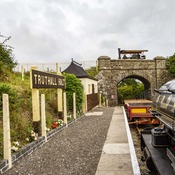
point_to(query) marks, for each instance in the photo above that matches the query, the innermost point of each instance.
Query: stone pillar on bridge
(162, 74)
(106, 88)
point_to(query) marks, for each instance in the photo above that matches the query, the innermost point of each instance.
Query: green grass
(21, 107)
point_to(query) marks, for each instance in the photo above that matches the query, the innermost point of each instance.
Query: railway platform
(118, 155)
(98, 143)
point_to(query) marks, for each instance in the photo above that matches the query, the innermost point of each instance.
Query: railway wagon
(138, 111)
(158, 144)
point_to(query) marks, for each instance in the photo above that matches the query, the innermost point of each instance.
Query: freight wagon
(138, 112)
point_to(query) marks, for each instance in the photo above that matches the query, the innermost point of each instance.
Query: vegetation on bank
(92, 71)
(20, 100)
(20, 106)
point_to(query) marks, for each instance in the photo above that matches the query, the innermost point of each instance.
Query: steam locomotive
(158, 143)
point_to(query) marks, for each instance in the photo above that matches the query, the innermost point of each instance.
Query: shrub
(73, 84)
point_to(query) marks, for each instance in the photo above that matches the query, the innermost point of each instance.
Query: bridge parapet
(132, 64)
(105, 62)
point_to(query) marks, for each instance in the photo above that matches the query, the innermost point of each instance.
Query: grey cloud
(108, 44)
(58, 30)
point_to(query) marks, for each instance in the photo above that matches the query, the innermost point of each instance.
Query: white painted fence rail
(52, 67)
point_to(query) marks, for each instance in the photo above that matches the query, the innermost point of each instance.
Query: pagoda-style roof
(76, 69)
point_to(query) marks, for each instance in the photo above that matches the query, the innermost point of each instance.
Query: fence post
(106, 102)
(6, 130)
(43, 117)
(60, 101)
(65, 109)
(59, 96)
(100, 100)
(84, 107)
(22, 72)
(74, 106)
(56, 67)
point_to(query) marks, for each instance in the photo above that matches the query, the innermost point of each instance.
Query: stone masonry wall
(152, 73)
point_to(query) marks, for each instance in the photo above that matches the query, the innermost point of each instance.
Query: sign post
(42, 80)
(35, 103)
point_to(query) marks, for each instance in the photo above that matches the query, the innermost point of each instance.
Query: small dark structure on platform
(89, 83)
(131, 54)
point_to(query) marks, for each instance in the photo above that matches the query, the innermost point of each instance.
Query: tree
(92, 71)
(129, 89)
(7, 61)
(128, 82)
(73, 84)
(170, 64)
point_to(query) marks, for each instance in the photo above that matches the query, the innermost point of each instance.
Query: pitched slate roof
(76, 69)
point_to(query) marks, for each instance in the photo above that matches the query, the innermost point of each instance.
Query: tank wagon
(158, 143)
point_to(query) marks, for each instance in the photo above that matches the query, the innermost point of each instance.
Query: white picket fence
(52, 67)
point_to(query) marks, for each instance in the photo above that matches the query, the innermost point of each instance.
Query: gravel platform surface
(75, 150)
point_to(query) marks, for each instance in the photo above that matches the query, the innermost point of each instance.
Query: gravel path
(75, 150)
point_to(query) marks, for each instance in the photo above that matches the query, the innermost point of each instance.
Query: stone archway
(130, 74)
(152, 73)
(147, 86)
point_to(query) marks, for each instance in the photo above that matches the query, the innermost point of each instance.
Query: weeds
(20, 106)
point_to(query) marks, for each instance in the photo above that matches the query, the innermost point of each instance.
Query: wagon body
(138, 111)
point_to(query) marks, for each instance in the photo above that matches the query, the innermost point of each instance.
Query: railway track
(139, 153)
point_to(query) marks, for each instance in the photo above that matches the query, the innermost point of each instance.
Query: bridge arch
(152, 73)
(145, 81)
(147, 86)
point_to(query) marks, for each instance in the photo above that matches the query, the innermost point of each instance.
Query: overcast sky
(58, 30)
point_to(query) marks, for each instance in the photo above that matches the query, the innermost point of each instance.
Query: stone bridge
(152, 73)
